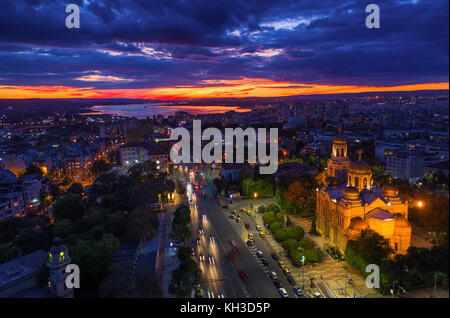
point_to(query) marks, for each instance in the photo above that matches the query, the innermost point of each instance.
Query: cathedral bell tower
(337, 165)
(58, 259)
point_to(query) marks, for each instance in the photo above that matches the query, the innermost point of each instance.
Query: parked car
(297, 291)
(274, 256)
(259, 254)
(264, 261)
(277, 283)
(250, 243)
(273, 275)
(291, 280)
(283, 293)
(247, 225)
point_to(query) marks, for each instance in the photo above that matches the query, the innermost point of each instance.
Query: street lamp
(420, 204)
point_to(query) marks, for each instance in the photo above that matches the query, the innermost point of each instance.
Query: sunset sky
(163, 49)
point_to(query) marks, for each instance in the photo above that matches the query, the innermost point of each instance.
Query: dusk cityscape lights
(210, 151)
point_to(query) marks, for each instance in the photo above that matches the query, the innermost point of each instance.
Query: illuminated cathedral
(348, 203)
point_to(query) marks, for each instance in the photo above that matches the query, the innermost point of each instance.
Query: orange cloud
(244, 87)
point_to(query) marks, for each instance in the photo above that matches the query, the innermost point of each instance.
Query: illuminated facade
(349, 204)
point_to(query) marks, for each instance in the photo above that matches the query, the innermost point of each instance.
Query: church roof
(359, 166)
(339, 140)
(380, 214)
(371, 195)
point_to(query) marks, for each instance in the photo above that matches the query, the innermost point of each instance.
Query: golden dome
(360, 167)
(339, 140)
(358, 224)
(390, 190)
(351, 193)
(400, 221)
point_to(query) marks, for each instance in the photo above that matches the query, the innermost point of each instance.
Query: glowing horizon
(244, 87)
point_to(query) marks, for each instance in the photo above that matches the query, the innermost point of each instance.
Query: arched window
(365, 182)
(356, 182)
(61, 257)
(350, 180)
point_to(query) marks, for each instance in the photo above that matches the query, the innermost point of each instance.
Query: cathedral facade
(348, 203)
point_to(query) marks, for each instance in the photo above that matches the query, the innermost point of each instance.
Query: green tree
(70, 206)
(313, 255)
(93, 260)
(100, 166)
(75, 188)
(142, 224)
(296, 233)
(181, 230)
(281, 234)
(62, 228)
(185, 276)
(290, 245)
(118, 284)
(8, 252)
(30, 239)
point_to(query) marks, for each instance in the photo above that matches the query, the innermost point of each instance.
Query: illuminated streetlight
(255, 195)
(420, 204)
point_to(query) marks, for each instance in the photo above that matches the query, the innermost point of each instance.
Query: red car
(244, 275)
(250, 243)
(247, 225)
(231, 256)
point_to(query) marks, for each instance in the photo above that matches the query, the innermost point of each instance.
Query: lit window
(61, 257)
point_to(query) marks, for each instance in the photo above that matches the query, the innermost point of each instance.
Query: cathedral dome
(400, 221)
(339, 140)
(390, 190)
(351, 193)
(358, 224)
(360, 167)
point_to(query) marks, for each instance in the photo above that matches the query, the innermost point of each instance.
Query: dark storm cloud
(165, 43)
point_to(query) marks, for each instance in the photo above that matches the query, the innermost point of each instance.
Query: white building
(138, 152)
(405, 166)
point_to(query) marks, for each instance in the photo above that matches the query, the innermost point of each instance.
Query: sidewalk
(329, 272)
(166, 259)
